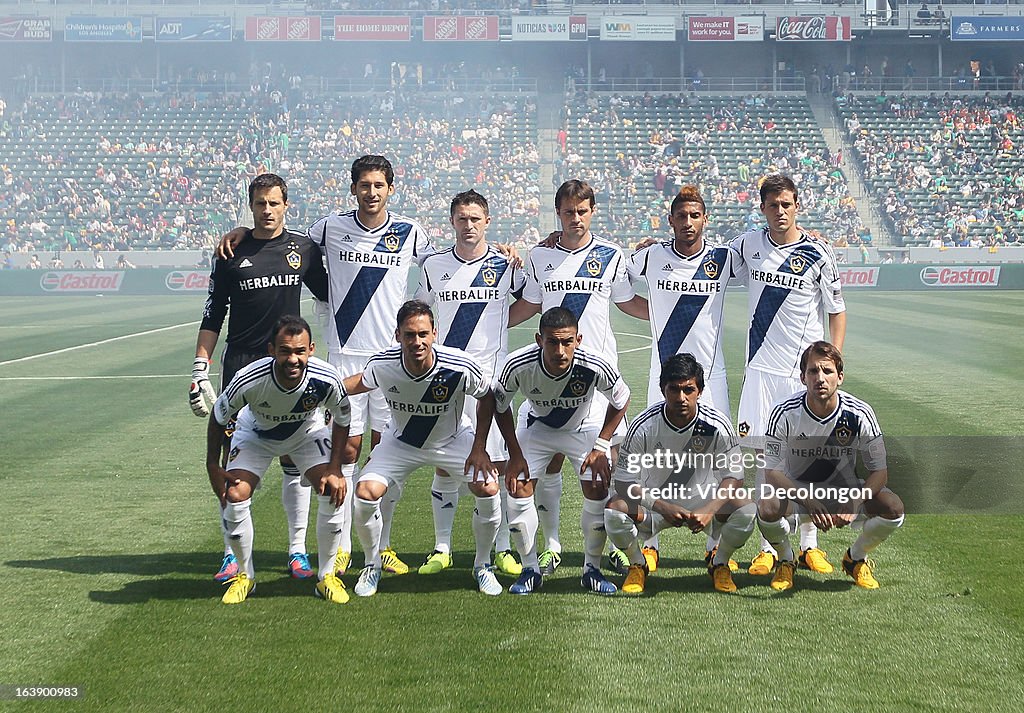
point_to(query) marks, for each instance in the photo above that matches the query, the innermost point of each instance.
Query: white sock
(876, 530)
(651, 541)
(714, 534)
(594, 536)
(367, 519)
(295, 498)
(238, 523)
(548, 496)
(759, 480)
(503, 542)
(808, 533)
(223, 530)
(349, 473)
(329, 520)
(622, 531)
(522, 524)
(387, 514)
(486, 518)
(777, 534)
(444, 499)
(734, 532)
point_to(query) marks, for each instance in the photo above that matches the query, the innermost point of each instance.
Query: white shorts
(761, 391)
(392, 461)
(715, 394)
(496, 449)
(598, 409)
(307, 447)
(349, 364)
(540, 444)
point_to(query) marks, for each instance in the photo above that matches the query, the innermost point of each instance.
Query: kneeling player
(811, 447)
(424, 385)
(280, 401)
(679, 466)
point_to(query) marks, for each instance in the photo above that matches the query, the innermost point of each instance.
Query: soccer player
(279, 402)
(585, 274)
(686, 280)
(680, 465)
(369, 252)
(469, 286)
(425, 385)
(812, 442)
(792, 282)
(260, 284)
(559, 380)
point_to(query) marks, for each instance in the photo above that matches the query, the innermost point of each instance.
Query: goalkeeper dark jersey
(260, 283)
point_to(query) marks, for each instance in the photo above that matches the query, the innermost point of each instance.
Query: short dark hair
(266, 181)
(559, 318)
(822, 349)
(577, 190)
(414, 308)
(291, 325)
(777, 183)
(681, 367)
(688, 194)
(370, 162)
(469, 197)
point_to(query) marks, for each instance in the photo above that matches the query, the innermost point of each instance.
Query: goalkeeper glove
(200, 392)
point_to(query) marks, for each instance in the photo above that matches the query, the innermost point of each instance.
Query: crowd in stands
(947, 170)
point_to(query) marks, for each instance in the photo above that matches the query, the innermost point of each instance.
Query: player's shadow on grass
(145, 564)
(180, 589)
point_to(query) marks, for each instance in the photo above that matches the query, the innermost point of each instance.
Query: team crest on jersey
(710, 267)
(391, 241)
(577, 387)
(797, 263)
(294, 260)
(489, 275)
(699, 443)
(593, 265)
(233, 454)
(743, 428)
(309, 402)
(844, 434)
(439, 390)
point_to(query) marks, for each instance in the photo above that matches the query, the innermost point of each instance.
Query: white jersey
(790, 289)
(818, 450)
(276, 413)
(368, 272)
(585, 281)
(426, 410)
(470, 300)
(686, 296)
(690, 461)
(559, 402)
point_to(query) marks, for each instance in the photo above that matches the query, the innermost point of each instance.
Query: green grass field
(110, 541)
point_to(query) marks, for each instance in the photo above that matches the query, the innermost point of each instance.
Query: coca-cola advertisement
(813, 28)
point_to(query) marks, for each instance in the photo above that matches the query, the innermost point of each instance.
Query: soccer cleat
(240, 588)
(814, 560)
(435, 562)
(529, 581)
(549, 561)
(618, 562)
(228, 569)
(636, 579)
(762, 564)
(369, 578)
(721, 577)
(783, 578)
(710, 556)
(341, 562)
(860, 570)
(594, 581)
(332, 589)
(299, 567)
(390, 563)
(651, 555)
(486, 581)
(506, 563)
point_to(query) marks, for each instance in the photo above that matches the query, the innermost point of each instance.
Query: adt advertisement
(192, 29)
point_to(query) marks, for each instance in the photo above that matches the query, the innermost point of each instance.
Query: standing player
(584, 274)
(425, 385)
(559, 382)
(812, 442)
(279, 401)
(686, 281)
(261, 283)
(703, 481)
(792, 282)
(469, 285)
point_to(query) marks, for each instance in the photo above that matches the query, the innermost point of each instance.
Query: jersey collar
(688, 427)
(370, 231)
(424, 375)
(586, 246)
(839, 405)
(544, 369)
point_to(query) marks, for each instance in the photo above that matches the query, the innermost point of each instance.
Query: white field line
(96, 344)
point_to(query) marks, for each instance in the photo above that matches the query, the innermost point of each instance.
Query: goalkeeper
(262, 282)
